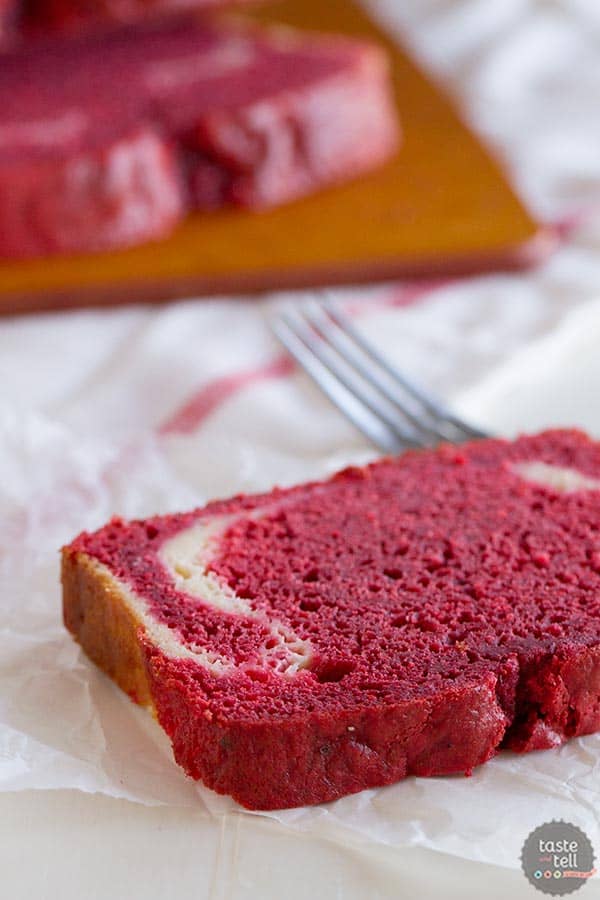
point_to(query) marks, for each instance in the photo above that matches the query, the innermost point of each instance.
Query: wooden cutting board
(442, 206)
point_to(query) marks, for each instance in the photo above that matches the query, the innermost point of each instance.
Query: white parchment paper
(84, 394)
(63, 724)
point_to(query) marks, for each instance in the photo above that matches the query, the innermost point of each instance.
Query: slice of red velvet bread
(74, 14)
(410, 617)
(109, 139)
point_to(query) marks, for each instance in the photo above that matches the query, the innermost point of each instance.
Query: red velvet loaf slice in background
(107, 140)
(114, 190)
(77, 14)
(410, 617)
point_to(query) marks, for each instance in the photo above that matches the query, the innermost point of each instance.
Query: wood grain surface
(443, 206)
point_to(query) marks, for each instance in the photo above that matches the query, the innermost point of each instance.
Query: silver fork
(388, 407)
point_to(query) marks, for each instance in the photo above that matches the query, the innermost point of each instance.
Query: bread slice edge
(96, 613)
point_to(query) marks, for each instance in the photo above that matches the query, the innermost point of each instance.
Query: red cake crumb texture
(448, 605)
(110, 138)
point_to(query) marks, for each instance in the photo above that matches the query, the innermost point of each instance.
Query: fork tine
(330, 331)
(348, 378)
(437, 410)
(373, 429)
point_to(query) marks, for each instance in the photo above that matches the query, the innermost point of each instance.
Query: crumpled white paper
(84, 394)
(63, 724)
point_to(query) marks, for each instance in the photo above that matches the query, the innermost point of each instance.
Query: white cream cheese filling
(233, 55)
(163, 637)
(187, 556)
(558, 478)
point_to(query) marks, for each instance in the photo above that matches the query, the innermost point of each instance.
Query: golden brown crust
(95, 613)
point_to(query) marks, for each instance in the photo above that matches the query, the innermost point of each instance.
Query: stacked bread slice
(109, 139)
